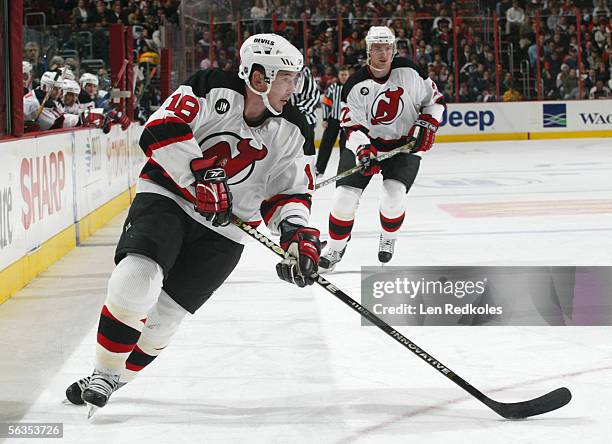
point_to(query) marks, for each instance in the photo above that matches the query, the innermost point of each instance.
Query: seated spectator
(32, 55)
(465, 95)
(118, 15)
(512, 95)
(148, 56)
(601, 10)
(82, 13)
(258, 13)
(569, 88)
(102, 13)
(487, 96)
(515, 16)
(589, 81)
(599, 91)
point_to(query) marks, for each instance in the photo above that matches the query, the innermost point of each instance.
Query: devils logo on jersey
(239, 154)
(387, 106)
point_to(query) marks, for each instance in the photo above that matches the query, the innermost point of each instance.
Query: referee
(331, 120)
(307, 100)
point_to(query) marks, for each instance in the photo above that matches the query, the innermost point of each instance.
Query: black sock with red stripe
(115, 339)
(391, 224)
(339, 232)
(138, 360)
(114, 335)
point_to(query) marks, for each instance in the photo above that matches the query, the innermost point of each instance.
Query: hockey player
(49, 92)
(385, 104)
(89, 91)
(88, 102)
(71, 108)
(27, 76)
(221, 144)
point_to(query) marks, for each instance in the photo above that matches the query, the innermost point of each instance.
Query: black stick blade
(519, 410)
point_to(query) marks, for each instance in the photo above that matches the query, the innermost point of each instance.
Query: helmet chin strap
(378, 70)
(264, 97)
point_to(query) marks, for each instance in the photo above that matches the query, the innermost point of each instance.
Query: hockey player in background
(385, 104)
(48, 94)
(89, 91)
(89, 100)
(27, 76)
(221, 144)
(71, 108)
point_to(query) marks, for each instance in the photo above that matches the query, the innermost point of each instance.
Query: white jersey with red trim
(51, 115)
(385, 109)
(268, 174)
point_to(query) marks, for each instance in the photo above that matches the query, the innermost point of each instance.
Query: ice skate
(98, 391)
(328, 261)
(385, 249)
(74, 392)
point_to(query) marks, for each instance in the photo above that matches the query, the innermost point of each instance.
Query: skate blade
(92, 410)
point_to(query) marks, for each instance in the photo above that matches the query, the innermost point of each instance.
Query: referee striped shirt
(309, 98)
(331, 101)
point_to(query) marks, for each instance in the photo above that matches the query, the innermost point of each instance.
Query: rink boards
(55, 190)
(464, 122)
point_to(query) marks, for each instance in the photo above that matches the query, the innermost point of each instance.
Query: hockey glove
(121, 118)
(213, 197)
(302, 249)
(366, 156)
(93, 119)
(424, 132)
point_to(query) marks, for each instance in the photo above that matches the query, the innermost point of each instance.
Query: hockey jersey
(385, 109)
(86, 102)
(72, 115)
(268, 174)
(51, 116)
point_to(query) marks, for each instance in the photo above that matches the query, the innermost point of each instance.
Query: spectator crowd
(431, 42)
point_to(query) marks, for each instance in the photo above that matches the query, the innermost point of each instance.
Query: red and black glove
(366, 156)
(120, 118)
(302, 250)
(93, 119)
(213, 197)
(424, 132)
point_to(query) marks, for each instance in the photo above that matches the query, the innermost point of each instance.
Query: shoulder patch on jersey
(222, 106)
(402, 62)
(357, 77)
(205, 80)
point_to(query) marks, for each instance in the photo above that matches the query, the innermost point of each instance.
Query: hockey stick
(509, 410)
(402, 149)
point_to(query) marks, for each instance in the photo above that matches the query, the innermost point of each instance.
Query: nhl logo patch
(222, 106)
(364, 91)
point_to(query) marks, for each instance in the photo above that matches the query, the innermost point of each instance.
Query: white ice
(265, 362)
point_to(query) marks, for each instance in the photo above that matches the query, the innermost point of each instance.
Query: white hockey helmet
(70, 86)
(50, 79)
(26, 68)
(379, 34)
(274, 53)
(88, 78)
(67, 73)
